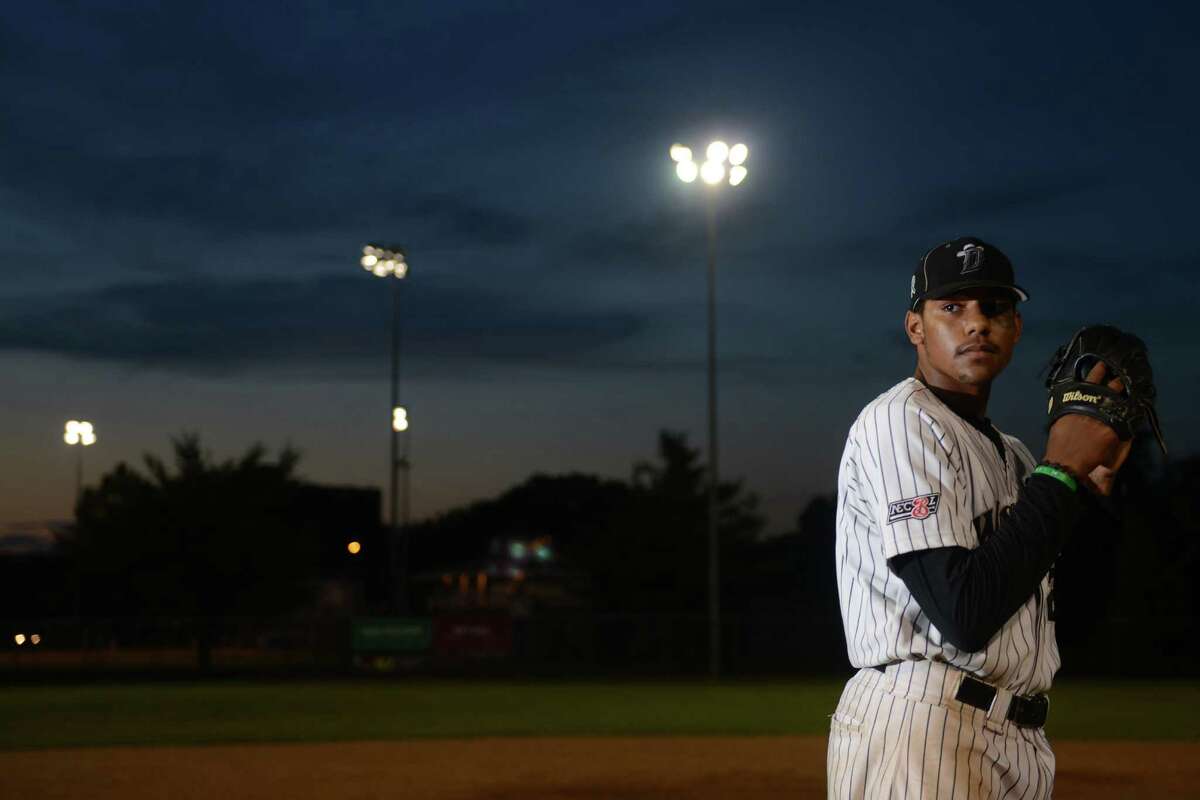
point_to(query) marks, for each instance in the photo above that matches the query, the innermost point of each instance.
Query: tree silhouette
(198, 540)
(642, 544)
(655, 558)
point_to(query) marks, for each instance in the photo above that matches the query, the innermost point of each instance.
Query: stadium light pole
(714, 174)
(79, 434)
(390, 262)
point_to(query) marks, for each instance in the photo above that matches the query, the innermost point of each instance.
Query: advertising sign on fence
(466, 635)
(391, 635)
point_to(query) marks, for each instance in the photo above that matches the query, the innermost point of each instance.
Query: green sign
(391, 635)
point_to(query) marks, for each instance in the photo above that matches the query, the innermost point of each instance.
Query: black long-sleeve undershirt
(970, 594)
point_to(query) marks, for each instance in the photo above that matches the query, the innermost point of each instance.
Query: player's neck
(967, 400)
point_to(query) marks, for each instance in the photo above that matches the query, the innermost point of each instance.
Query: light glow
(681, 153)
(687, 171)
(736, 175)
(355, 548)
(19, 638)
(399, 419)
(383, 262)
(738, 154)
(79, 432)
(712, 172)
(718, 151)
(35, 639)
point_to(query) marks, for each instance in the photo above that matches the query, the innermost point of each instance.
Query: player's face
(965, 339)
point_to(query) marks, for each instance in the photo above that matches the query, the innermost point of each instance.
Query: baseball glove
(1125, 357)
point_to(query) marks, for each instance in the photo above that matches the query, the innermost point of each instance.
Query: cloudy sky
(184, 189)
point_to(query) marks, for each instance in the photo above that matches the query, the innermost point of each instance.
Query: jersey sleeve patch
(919, 507)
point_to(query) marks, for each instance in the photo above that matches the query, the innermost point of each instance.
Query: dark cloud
(1143, 268)
(240, 196)
(664, 238)
(213, 326)
(981, 202)
(214, 118)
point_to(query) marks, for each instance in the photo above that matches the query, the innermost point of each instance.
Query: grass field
(216, 713)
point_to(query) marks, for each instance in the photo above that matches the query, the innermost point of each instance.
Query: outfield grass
(209, 713)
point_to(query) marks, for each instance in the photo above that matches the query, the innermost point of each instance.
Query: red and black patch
(920, 507)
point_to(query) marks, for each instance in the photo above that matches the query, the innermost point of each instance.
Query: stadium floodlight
(687, 171)
(714, 173)
(717, 151)
(384, 261)
(79, 432)
(390, 261)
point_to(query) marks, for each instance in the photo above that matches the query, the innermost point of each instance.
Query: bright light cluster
(399, 419)
(384, 262)
(21, 639)
(713, 170)
(79, 433)
(538, 549)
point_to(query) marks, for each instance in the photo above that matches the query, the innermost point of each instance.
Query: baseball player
(947, 530)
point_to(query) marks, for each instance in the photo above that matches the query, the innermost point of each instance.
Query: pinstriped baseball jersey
(915, 475)
(902, 735)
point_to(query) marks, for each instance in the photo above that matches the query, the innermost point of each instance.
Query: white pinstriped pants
(901, 734)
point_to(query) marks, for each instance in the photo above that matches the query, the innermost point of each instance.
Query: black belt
(1027, 712)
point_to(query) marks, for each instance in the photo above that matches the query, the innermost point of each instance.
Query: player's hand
(1087, 446)
(1101, 479)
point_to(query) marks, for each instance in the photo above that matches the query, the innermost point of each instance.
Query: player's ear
(914, 327)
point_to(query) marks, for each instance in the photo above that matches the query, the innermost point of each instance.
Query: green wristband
(1053, 472)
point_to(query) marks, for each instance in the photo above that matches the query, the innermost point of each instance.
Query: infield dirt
(584, 768)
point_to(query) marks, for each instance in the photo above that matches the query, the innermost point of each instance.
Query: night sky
(185, 188)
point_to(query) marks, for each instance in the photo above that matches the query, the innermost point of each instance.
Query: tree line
(200, 537)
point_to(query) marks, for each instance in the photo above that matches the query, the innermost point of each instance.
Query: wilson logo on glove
(1127, 410)
(920, 507)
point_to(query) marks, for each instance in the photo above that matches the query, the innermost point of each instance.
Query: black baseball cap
(961, 264)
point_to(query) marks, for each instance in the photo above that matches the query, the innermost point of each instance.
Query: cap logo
(972, 258)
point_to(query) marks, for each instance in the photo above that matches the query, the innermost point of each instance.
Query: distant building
(522, 575)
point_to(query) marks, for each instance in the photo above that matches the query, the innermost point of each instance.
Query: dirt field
(532, 769)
